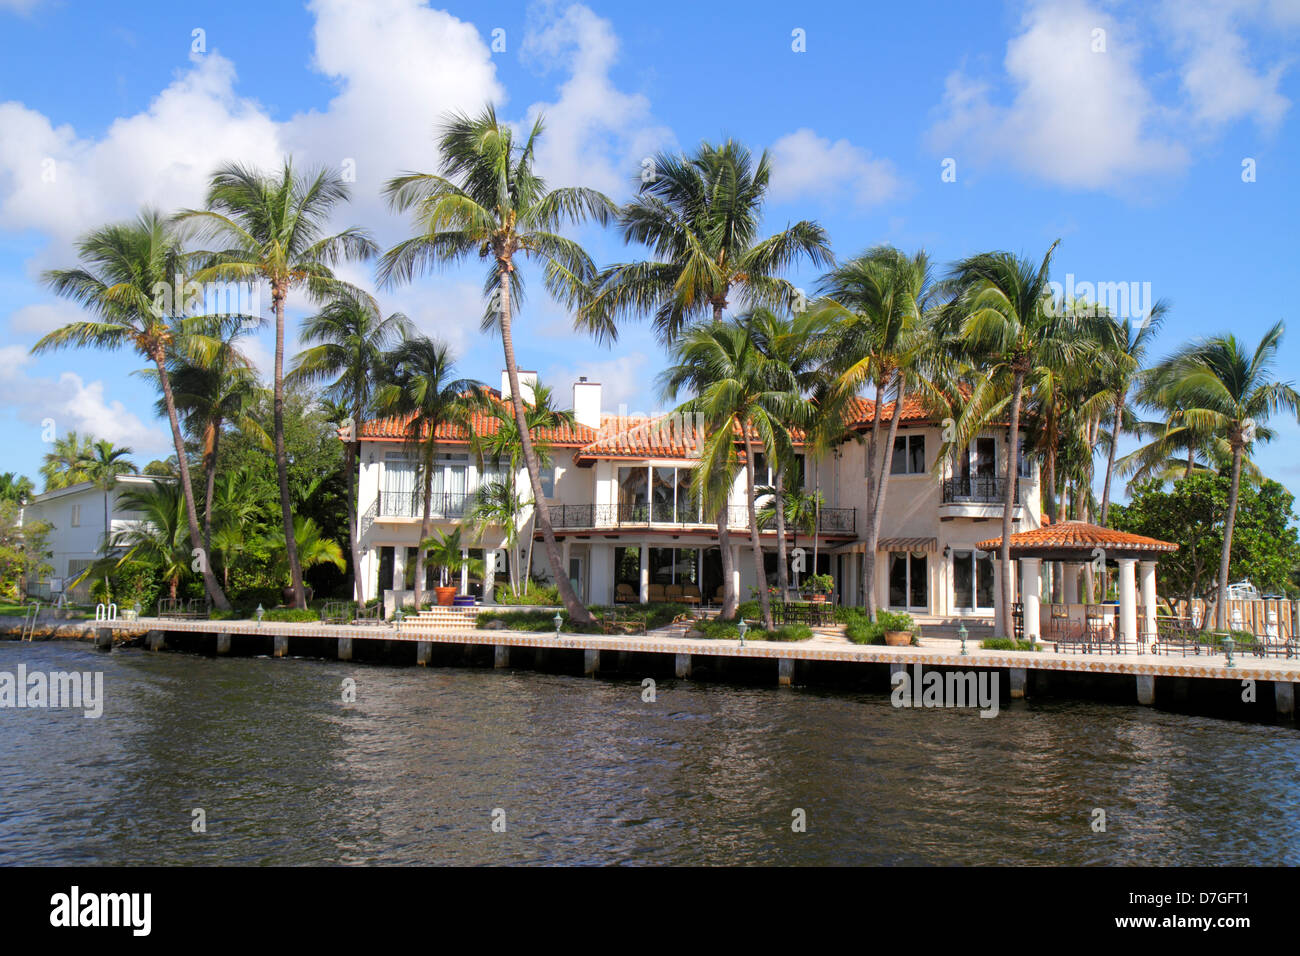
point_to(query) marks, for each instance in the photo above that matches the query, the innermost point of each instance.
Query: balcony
(579, 517)
(410, 504)
(976, 496)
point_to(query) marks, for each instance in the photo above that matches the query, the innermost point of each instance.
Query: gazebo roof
(1068, 540)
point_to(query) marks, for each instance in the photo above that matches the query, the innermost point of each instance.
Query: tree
(64, 465)
(1003, 317)
(417, 386)
(721, 365)
(16, 488)
(700, 217)
(23, 550)
(125, 267)
(1229, 390)
(313, 549)
(160, 539)
(876, 306)
(272, 228)
(348, 338)
(446, 554)
(488, 201)
(103, 467)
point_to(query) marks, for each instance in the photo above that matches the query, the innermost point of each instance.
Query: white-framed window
(548, 481)
(909, 580)
(76, 516)
(972, 580)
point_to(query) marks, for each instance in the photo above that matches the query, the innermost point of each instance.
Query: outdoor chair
(623, 594)
(657, 595)
(673, 593)
(369, 615)
(690, 594)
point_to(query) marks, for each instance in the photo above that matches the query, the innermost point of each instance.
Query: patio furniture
(673, 593)
(690, 594)
(720, 594)
(336, 612)
(180, 609)
(1018, 620)
(370, 615)
(657, 595)
(623, 594)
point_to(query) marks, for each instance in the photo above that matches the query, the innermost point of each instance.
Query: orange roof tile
(1078, 536)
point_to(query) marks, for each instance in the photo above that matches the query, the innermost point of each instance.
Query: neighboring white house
(78, 517)
(628, 529)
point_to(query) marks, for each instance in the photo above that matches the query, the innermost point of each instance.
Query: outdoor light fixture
(559, 619)
(1227, 649)
(136, 608)
(397, 619)
(962, 632)
(260, 611)
(742, 628)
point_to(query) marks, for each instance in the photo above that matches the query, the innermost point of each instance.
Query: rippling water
(586, 773)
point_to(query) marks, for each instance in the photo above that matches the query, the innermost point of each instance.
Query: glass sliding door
(972, 580)
(909, 586)
(633, 498)
(663, 491)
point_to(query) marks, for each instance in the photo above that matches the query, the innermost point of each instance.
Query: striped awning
(907, 544)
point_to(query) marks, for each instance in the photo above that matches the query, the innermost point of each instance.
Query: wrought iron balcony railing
(568, 517)
(979, 489)
(410, 504)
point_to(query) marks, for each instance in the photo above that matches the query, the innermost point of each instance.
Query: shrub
(543, 594)
(534, 621)
(716, 630)
(865, 631)
(291, 614)
(1008, 644)
(895, 621)
(791, 632)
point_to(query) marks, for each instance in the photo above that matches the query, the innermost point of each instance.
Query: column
(600, 557)
(399, 568)
(368, 572)
(1029, 591)
(997, 598)
(645, 573)
(1148, 569)
(1071, 583)
(1128, 599)
(735, 573)
(464, 570)
(490, 575)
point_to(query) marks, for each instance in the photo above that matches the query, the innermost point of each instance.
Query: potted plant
(898, 628)
(820, 586)
(443, 551)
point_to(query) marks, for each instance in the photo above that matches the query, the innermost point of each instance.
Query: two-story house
(618, 494)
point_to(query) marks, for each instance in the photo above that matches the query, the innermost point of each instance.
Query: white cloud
(42, 317)
(624, 381)
(596, 135)
(1220, 81)
(73, 404)
(805, 164)
(1078, 118)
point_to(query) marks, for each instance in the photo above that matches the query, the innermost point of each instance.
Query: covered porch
(1130, 621)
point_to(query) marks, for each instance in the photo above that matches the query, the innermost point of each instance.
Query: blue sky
(1120, 128)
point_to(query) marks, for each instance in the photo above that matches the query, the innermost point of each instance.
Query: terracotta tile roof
(481, 423)
(1079, 536)
(862, 412)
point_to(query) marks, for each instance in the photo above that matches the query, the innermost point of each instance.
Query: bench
(337, 612)
(180, 609)
(372, 614)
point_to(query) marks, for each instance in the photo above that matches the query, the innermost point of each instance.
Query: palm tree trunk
(1005, 625)
(882, 480)
(730, 599)
(577, 611)
(782, 567)
(210, 584)
(1110, 462)
(526, 578)
(426, 522)
(868, 554)
(354, 533)
(1225, 558)
(210, 480)
(281, 456)
(764, 600)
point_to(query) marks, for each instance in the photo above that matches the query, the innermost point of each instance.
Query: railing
(982, 489)
(410, 504)
(568, 517)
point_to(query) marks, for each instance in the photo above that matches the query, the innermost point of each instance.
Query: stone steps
(457, 618)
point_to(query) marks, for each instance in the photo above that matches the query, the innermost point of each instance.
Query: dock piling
(345, 649)
(1284, 698)
(590, 663)
(1146, 688)
(683, 666)
(501, 655)
(785, 672)
(1019, 678)
(157, 641)
(104, 638)
(223, 644)
(281, 645)
(423, 653)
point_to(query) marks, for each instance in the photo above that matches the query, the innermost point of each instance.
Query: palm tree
(489, 202)
(235, 508)
(160, 538)
(446, 554)
(1002, 315)
(313, 549)
(1124, 363)
(876, 305)
(1227, 389)
(700, 216)
(416, 384)
(15, 487)
(214, 384)
(497, 505)
(272, 228)
(104, 466)
(65, 464)
(125, 267)
(503, 442)
(721, 365)
(349, 337)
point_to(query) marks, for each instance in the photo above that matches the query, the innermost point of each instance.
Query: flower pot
(287, 593)
(820, 598)
(898, 638)
(445, 595)
(463, 600)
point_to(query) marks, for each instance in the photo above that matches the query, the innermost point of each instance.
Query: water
(586, 773)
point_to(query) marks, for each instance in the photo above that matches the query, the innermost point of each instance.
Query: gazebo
(1076, 544)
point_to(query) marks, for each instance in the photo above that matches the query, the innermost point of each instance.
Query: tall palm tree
(1002, 315)
(124, 267)
(271, 227)
(348, 338)
(15, 487)
(488, 201)
(417, 384)
(1124, 363)
(214, 384)
(700, 217)
(313, 547)
(721, 365)
(876, 305)
(1227, 388)
(496, 505)
(104, 466)
(64, 464)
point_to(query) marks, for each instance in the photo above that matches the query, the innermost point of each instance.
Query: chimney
(526, 382)
(586, 402)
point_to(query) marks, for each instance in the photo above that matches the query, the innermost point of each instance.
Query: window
(793, 478)
(548, 481)
(972, 577)
(76, 516)
(909, 455)
(908, 580)
(1026, 468)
